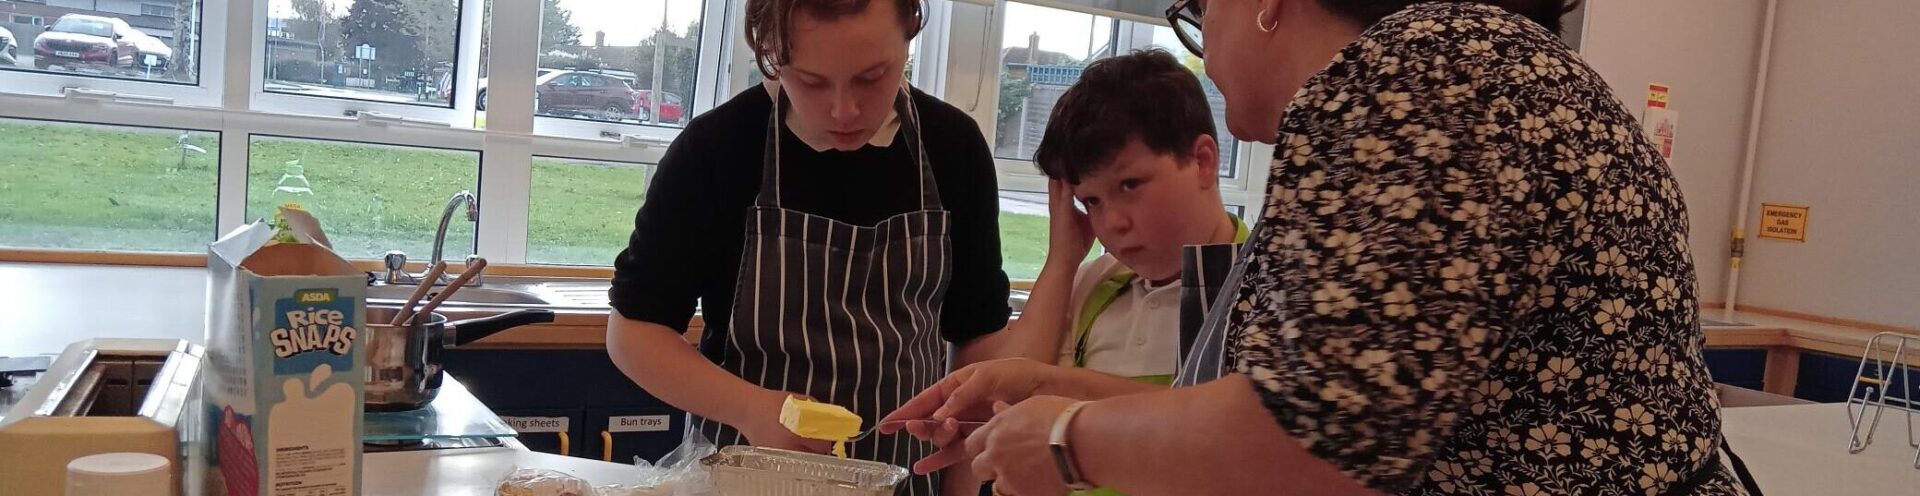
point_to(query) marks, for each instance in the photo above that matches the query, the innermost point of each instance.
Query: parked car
(9, 48)
(480, 99)
(586, 94)
(672, 110)
(153, 52)
(85, 39)
(629, 77)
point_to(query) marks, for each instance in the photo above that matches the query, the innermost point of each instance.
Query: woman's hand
(969, 393)
(1069, 232)
(1013, 450)
(759, 421)
(966, 394)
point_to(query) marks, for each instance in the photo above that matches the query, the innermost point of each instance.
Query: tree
(556, 27)
(1014, 91)
(186, 36)
(391, 29)
(682, 60)
(313, 10)
(434, 22)
(320, 12)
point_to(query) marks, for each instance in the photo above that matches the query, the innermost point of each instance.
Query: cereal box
(284, 387)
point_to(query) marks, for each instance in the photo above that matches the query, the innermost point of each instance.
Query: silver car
(9, 48)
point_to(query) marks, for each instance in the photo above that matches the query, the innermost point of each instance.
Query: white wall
(1707, 51)
(1841, 134)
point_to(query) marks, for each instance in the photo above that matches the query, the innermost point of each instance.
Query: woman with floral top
(1472, 277)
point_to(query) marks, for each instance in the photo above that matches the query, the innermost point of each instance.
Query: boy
(1134, 141)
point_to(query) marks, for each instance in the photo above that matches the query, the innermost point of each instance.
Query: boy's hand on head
(1070, 233)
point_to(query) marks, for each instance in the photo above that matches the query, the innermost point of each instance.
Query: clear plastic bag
(677, 474)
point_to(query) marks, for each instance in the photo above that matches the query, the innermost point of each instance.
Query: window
(1023, 233)
(95, 187)
(156, 10)
(606, 60)
(1044, 51)
(156, 45)
(372, 198)
(580, 212)
(1024, 227)
(391, 51)
(1164, 39)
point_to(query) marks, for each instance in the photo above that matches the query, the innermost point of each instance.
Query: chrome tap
(396, 260)
(440, 237)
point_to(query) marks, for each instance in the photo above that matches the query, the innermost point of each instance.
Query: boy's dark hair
(1146, 95)
(769, 24)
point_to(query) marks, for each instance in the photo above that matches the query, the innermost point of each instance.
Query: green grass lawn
(78, 186)
(370, 198)
(98, 187)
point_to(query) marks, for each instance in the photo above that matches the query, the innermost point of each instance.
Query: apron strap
(909, 116)
(1740, 468)
(910, 119)
(770, 161)
(1102, 296)
(1701, 476)
(1208, 358)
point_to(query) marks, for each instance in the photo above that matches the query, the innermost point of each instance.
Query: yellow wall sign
(1658, 95)
(1783, 222)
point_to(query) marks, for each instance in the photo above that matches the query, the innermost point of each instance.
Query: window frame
(957, 60)
(205, 92)
(710, 60)
(465, 69)
(648, 170)
(1244, 187)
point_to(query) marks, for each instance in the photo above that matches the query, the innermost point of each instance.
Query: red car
(672, 110)
(85, 39)
(590, 95)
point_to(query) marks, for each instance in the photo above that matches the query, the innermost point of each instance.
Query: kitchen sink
(481, 295)
(509, 291)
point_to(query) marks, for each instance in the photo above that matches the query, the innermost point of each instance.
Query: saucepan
(403, 362)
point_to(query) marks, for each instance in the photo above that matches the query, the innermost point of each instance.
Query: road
(24, 61)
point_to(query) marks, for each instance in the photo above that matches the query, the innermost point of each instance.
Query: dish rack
(751, 471)
(1884, 381)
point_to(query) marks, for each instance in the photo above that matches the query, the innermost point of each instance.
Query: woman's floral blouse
(1473, 275)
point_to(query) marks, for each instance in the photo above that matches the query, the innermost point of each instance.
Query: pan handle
(470, 330)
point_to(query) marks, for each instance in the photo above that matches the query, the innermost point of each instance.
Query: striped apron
(846, 314)
(1207, 358)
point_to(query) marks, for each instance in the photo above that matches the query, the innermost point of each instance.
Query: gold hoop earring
(1264, 28)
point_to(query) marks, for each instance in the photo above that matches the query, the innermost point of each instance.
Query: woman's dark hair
(1147, 95)
(770, 24)
(1367, 12)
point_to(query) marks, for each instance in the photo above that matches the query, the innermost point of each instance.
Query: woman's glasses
(1184, 16)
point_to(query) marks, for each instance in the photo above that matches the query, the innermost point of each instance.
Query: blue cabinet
(1827, 378)
(548, 430)
(1743, 367)
(581, 386)
(620, 434)
(1822, 377)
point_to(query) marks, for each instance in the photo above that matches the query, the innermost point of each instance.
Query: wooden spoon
(425, 284)
(473, 270)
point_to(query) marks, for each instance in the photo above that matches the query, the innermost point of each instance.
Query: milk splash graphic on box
(285, 391)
